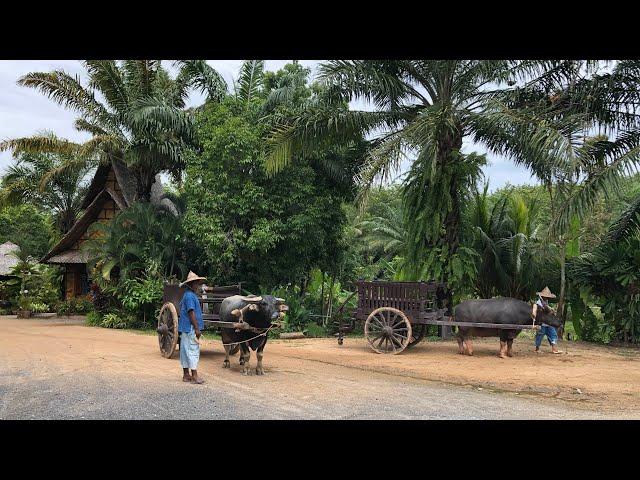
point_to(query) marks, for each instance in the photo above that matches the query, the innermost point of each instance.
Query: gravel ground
(61, 370)
(102, 397)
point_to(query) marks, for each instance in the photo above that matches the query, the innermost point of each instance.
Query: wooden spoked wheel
(388, 330)
(417, 334)
(167, 329)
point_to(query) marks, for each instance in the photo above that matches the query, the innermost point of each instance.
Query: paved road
(107, 398)
(76, 372)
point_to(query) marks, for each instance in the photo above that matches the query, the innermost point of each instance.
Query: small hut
(111, 190)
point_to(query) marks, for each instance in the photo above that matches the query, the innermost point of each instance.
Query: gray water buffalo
(255, 314)
(498, 310)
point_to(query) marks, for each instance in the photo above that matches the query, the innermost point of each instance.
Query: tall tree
(423, 112)
(133, 110)
(29, 180)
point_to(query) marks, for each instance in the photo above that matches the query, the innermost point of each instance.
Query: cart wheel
(234, 349)
(167, 329)
(418, 332)
(388, 330)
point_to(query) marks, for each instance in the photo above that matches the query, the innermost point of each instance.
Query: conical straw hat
(546, 293)
(192, 277)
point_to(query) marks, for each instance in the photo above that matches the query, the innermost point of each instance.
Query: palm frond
(67, 91)
(250, 80)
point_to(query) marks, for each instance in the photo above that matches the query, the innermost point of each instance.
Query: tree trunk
(67, 221)
(449, 155)
(144, 181)
(322, 296)
(330, 300)
(561, 296)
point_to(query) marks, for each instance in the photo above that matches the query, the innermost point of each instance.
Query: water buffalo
(256, 315)
(498, 310)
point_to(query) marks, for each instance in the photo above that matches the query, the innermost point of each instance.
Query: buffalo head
(262, 310)
(548, 316)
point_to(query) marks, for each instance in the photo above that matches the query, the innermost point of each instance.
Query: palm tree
(506, 240)
(424, 111)
(488, 225)
(385, 232)
(140, 121)
(61, 194)
(608, 103)
(582, 166)
(141, 241)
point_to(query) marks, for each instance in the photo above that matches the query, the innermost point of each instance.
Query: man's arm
(191, 309)
(194, 322)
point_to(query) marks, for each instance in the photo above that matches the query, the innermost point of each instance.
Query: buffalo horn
(252, 299)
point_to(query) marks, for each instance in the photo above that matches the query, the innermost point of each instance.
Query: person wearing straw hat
(190, 325)
(552, 335)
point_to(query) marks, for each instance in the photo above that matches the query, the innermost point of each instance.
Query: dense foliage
(246, 225)
(27, 227)
(31, 180)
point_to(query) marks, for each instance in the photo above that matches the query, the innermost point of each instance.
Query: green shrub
(141, 297)
(314, 330)
(24, 303)
(118, 320)
(74, 306)
(94, 319)
(83, 306)
(39, 307)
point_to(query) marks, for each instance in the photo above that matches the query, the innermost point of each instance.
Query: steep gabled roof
(125, 180)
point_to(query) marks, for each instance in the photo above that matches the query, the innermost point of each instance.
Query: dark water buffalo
(256, 315)
(498, 310)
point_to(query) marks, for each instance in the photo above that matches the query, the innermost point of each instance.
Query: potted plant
(24, 307)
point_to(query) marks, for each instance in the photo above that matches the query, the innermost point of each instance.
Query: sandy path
(60, 369)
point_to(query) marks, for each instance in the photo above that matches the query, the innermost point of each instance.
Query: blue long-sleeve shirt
(189, 302)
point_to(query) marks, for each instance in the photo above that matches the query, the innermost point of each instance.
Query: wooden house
(111, 190)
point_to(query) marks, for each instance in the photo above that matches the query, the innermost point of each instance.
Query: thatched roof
(8, 261)
(69, 256)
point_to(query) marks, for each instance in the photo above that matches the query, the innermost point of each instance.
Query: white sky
(25, 111)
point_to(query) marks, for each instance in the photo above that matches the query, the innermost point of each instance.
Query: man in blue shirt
(190, 325)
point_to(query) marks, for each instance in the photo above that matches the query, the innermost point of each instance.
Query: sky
(25, 112)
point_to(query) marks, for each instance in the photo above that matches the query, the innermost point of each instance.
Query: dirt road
(57, 368)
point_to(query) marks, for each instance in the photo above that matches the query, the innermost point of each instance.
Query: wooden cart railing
(396, 314)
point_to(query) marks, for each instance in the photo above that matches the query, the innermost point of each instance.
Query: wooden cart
(210, 301)
(396, 314)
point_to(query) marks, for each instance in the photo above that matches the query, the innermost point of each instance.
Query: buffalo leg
(503, 346)
(468, 346)
(226, 363)
(259, 355)
(510, 347)
(246, 356)
(460, 345)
